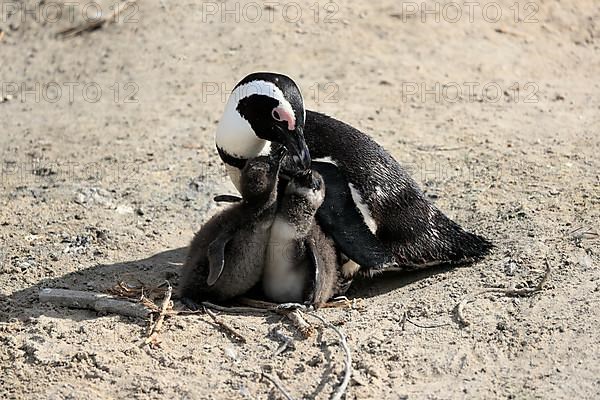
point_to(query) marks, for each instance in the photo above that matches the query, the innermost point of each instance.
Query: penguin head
(264, 107)
(259, 177)
(309, 186)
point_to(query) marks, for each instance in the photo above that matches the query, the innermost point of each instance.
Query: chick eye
(276, 115)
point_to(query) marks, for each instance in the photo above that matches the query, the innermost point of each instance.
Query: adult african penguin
(373, 209)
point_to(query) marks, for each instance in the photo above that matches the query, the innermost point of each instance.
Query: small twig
(510, 32)
(339, 392)
(152, 338)
(278, 385)
(97, 23)
(583, 233)
(297, 318)
(338, 302)
(341, 302)
(260, 304)
(99, 302)
(426, 326)
(229, 330)
(1, 35)
(185, 312)
(286, 341)
(236, 309)
(507, 292)
(150, 325)
(291, 306)
(403, 320)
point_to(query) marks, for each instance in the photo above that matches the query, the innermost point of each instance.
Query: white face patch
(234, 134)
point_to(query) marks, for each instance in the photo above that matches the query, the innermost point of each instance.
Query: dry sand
(93, 192)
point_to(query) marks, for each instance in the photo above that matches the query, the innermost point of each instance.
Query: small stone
(586, 261)
(124, 209)
(231, 353)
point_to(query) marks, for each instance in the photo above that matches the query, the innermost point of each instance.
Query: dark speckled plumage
(416, 232)
(240, 232)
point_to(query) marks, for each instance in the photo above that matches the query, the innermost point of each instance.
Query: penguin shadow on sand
(387, 281)
(155, 270)
(147, 272)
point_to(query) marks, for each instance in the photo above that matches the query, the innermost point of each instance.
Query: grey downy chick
(226, 257)
(301, 261)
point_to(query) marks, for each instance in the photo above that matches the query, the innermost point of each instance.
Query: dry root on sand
(92, 25)
(155, 327)
(133, 301)
(229, 330)
(275, 381)
(99, 302)
(297, 314)
(507, 292)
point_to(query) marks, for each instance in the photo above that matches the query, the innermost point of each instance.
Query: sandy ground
(497, 119)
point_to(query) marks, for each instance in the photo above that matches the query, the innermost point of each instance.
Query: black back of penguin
(226, 256)
(417, 233)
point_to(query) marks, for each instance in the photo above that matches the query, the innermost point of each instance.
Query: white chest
(285, 272)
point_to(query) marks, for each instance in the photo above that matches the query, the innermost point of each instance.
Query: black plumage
(415, 231)
(373, 210)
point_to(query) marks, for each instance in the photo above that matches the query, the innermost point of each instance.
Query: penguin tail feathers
(469, 247)
(443, 242)
(455, 245)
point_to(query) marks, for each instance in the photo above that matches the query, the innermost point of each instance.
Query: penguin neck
(297, 211)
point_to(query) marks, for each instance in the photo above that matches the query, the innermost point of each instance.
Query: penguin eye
(276, 115)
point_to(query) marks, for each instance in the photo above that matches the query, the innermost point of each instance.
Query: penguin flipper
(314, 261)
(216, 258)
(339, 217)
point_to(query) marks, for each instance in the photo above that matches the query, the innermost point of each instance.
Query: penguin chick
(226, 256)
(301, 261)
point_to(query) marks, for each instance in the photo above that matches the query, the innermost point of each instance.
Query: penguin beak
(309, 180)
(298, 151)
